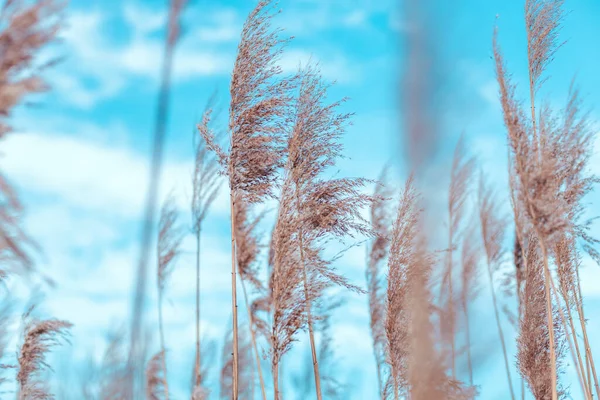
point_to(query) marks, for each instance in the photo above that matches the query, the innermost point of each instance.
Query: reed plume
(114, 373)
(247, 244)
(417, 367)
(333, 387)
(326, 208)
(493, 231)
(533, 343)
(549, 156)
(542, 22)
(461, 176)
(156, 380)
(167, 251)
(40, 336)
(247, 247)
(287, 299)
(402, 251)
(259, 105)
(470, 258)
(205, 187)
(26, 28)
(200, 393)
(378, 252)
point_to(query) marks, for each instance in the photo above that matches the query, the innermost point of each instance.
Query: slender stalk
(451, 294)
(588, 350)
(500, 333)
(197, 368)
(468, 337)
(578, 363)
(276, 393)
(162, 346)
(160, 127)
(310, 322)
(234, 299)
(308, 304)
(380, 389)
(587, 368)
(520, 301)
(254, 346)
(565, 296)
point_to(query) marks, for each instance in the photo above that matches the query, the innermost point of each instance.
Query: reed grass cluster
(282, 144)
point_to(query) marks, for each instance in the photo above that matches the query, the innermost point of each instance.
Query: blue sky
(80, 160)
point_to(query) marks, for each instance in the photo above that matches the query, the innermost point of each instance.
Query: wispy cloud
(90, 175)
(98, 68)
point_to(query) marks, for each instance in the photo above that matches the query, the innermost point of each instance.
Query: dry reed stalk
(327, 208)
(246, 377)
(380, 217)
(259, 104)
(525, 156)
(205, 187)
(26, 28)
(591, 368)
(332, 387)
(574, 348)
(419, 83)
(134, 363)
(567, 262)
(251, 327)
(493, 228)
(167, 251)
(247, 247)
(40, 336)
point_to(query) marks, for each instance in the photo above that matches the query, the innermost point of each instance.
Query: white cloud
(220, 26)
(356, 18)
(489, 92)
(91, 175)
(142, 19)
(98, 68)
